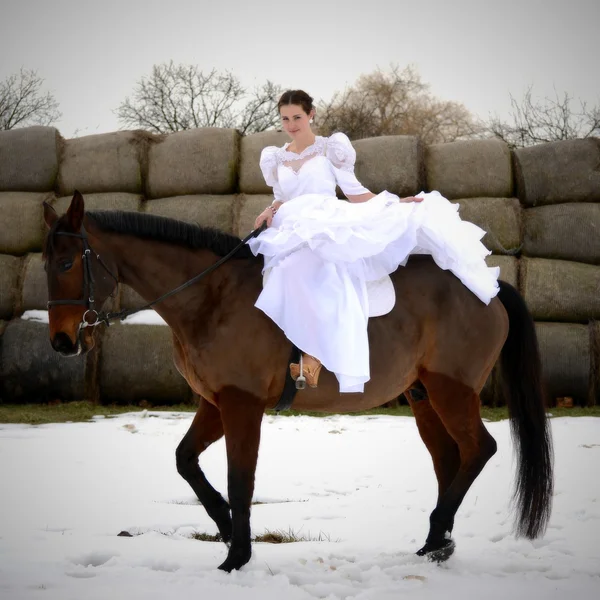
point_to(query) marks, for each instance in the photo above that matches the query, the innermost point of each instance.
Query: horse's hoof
(236, 559)
(438, 553)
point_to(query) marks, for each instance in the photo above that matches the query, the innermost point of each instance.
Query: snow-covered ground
(365, 485)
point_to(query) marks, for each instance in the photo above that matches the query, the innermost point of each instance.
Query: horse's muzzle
(62, 343)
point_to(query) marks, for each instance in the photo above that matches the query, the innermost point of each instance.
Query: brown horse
(437, 346)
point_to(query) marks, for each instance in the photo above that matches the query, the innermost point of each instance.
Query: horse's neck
(154, 268)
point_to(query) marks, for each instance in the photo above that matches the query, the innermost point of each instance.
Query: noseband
(88, 300)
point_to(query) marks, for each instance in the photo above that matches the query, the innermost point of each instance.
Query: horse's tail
(521, 375)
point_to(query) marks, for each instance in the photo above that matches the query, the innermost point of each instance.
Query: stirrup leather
(307, 371)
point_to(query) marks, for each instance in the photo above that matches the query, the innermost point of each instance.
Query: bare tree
(394, 103)
(179, 97)
(23, 103)
(537, 121)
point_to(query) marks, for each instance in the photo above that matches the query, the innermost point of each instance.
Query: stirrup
(312, 373)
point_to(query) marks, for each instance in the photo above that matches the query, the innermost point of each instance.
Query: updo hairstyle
(298, 98)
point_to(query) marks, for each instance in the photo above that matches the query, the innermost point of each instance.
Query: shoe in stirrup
(307, 371)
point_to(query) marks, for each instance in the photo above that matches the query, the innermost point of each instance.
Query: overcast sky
(91, 53)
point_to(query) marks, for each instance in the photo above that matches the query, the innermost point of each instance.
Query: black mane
(171, 231)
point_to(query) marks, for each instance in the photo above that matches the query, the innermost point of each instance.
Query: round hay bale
(29, 159)
(565, 354)
(470, 169)
(34, 294)
(107, 162)
(137, 364)
(248, 208)
(509, 268)
(10, 269)
(594, 396)
(98, 202)
(558, 172)
(501, 217)
(251, 178)
(391, 162)
(23, 226)
(565, 231)
(31, 371)
(559, 290)
(204, 210)
(198, 161)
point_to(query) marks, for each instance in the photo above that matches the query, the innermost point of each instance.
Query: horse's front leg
(241, 414)
(206, 428)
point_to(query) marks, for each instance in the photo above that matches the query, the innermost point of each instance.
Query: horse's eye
(65, 265)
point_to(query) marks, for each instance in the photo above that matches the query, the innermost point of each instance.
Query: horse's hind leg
(206, 428)
(241, 414)
(443, 449)
(458, 408)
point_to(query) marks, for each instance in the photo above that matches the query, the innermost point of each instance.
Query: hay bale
(565, 354)
(594, 396)
(565, 231)
(251, 178)
(34, 295)
(110, 201)
(204, 210)
(391, 162)
(29, 159)
(10, 269)
(558, 290)
(198, 161)
(31, 371)
(247, 209)
(509, 268)
(558, 172)
(107, 162)
(501, 217)
(470, 169)
(137, 364)
(23, 226)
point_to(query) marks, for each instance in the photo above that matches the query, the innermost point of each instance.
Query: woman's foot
(311, 367)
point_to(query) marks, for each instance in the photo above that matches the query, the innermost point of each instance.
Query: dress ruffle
(373, 238)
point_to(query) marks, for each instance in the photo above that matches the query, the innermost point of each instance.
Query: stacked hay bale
(559, 186)
(546, 242)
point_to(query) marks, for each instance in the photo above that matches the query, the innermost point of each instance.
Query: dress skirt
(320, 252)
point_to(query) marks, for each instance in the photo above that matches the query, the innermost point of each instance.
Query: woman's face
(294, 120)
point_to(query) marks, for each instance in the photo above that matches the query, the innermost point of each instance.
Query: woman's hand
(411, 199)
(265, 215)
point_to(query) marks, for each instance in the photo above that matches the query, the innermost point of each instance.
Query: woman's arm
(369, 195)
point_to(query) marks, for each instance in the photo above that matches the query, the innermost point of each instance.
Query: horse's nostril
(62, 343)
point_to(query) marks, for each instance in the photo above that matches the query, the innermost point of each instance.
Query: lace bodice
(316, 170)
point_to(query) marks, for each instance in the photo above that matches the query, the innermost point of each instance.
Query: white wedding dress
(320, 252)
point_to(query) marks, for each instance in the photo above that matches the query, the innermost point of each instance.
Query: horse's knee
(185, 458)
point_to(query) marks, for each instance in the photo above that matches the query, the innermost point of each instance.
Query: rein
(89, 282)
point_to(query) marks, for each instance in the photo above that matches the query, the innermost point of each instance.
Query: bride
(321, 253)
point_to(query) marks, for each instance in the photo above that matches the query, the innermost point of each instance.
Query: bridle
(88, 300)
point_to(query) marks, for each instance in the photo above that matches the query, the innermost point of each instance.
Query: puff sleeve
(268, 166)
(342, 156)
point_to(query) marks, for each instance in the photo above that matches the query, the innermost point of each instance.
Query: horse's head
(79, 279)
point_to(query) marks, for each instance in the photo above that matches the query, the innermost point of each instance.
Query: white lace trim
(317, 147)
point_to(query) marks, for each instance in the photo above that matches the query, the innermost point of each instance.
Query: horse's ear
(76, 212)
(50, 215)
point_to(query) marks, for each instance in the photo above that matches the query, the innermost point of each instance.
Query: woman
(320, 252)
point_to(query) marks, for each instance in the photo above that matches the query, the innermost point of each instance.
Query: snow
(144, 317)
(364, 484)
